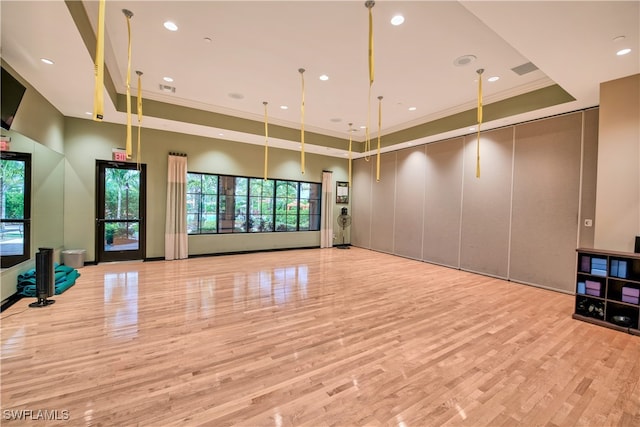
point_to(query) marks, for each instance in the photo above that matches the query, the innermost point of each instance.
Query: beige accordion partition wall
(521, 220)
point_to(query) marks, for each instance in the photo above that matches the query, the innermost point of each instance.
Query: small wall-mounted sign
(119, 155)
(5, 143)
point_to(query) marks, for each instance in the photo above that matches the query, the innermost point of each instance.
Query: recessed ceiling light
(619, 38)
(284, 107)
(397, 20)
(623, 51)
(324, 77)
(221, 134)
(207, 39)
(46, 61)
(170, 26)
(493, 79)
(88, 113)
(472, 128)
(167, 79)
(336, 120)
(412, 108)
(236, 96)
(363, 127)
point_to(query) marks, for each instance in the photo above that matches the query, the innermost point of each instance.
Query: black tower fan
(45, 278)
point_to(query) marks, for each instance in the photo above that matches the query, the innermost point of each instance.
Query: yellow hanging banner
(479, 71)
(301, 71)
(350, 153)
(367, 139)
(266, 140)
(128, 14)
(139, 105)
(369, 5)
(98, 94)
(379, 136)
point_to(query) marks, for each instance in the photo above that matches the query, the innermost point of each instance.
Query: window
(202, 203)
(231, 204)
(15, 198)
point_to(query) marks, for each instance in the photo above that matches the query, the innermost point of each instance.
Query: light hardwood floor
(317, 337)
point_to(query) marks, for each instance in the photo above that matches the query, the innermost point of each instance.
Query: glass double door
(120, 211)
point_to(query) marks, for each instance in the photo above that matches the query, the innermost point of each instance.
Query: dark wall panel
(443, 185)
(486, 204)
(360, 195)
(410, 183)
(545, 202)
(383, 202)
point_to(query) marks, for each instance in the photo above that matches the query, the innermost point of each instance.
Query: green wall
(87, 141)
(38, 128)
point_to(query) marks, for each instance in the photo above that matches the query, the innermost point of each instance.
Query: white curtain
(326, 216)
(175, 234)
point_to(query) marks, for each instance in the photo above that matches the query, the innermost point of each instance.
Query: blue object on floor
(65, 278)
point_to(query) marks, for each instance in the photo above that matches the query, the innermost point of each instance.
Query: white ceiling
(257, 47)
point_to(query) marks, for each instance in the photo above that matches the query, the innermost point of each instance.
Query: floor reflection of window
(121, 304)
(201, 301)
(303, 272)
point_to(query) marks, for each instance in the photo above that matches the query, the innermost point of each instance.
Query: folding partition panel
(589, 178)
(410, 184)
(545, 202)
(486, 204)
(361, 204)
(442, 197)
(383, 203)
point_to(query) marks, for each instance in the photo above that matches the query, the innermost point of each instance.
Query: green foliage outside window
(229, 204)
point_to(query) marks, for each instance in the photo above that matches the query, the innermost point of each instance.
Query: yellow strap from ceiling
(128, 16)
(479, 71)
(379, 136)
(350, 153)
(301, 71)
(98, 94)
(139, 105)
(266, 140)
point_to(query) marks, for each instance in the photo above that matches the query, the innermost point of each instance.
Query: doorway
(120, 211)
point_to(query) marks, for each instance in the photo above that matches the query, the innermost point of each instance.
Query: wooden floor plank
(320, 337)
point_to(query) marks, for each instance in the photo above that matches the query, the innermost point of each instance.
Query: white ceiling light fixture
(493, 79)
(171, 26)
(284, 107)
(397, 20)
(624, 51)
(167, 79)
(324, 77)
(46, 61)
(412, 108)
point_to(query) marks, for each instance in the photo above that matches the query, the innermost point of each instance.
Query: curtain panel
(175, 236)
(326, 214)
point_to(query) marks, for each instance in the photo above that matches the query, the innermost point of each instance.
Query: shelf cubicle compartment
(624, 315)
(590, 307)
(588, 284)
(625, 268)
(623, 291)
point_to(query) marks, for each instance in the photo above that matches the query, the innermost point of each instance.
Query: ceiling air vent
(524, 68)
(167, 88)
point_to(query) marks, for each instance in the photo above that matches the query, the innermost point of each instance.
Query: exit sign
(119, 155)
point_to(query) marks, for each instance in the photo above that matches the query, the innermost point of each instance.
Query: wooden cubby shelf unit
(608, 289)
